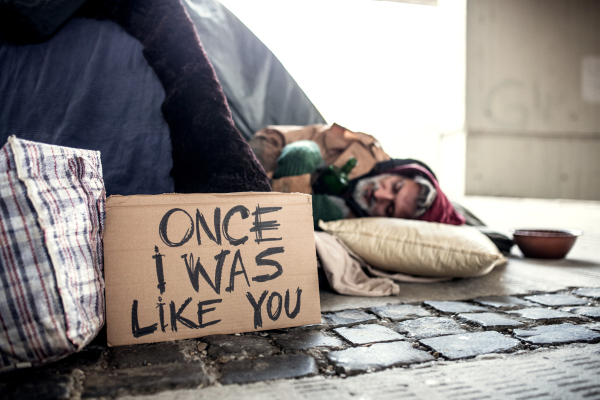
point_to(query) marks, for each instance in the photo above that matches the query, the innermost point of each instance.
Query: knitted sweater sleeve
(298, 158)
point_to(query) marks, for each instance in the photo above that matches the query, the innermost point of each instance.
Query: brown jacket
(337, 145)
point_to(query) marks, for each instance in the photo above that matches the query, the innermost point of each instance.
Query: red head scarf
(441, 209)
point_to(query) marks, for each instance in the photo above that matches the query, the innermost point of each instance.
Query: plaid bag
(51, 224)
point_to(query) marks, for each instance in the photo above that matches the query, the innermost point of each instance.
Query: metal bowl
(545, 243)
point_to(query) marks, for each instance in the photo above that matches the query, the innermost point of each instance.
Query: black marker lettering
(159, 270)
(162, 229)
(261, 261)
(244, 212)
(274, 316)
(202, 311)
(257, 307)
(176, 316)
(199, 270)
(260, 226)
(161, 314)
(135, 326)
(217, 222)
(233, 272)
(287, 303)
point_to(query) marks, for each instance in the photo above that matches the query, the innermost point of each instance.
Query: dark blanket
(209, 154)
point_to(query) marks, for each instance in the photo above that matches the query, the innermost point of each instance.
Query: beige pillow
(418, 247)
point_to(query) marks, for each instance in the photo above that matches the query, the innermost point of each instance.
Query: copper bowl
(545, 243)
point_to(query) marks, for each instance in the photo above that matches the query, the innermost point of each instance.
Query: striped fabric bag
(51, 224)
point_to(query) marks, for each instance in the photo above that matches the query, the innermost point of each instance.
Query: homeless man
(296, 158)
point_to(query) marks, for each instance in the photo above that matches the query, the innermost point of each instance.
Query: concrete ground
(529, 329)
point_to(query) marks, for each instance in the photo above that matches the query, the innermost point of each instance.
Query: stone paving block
(503, 302)
(239, 346)
(454, 306)
(559, 299)
(380, 355)
(88, 357)
(261, 369)
(138, 355)
(595, 327)
(489, 320)
(144, 379)
(427, 327)
(322, 324)
(592, 312)
(539, 314)
(34, 385)
(557, 334)
(300, 340)
(400, 312)
(588, 292)
(471, 344)
(348, 317)
(364, 334)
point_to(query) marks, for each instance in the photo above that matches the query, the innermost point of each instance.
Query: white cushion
(418, 247)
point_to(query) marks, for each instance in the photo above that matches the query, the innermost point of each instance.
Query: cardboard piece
(181, 266)
(358, 151)
(293, 184)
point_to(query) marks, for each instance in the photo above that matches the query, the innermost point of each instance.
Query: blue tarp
(90, 87)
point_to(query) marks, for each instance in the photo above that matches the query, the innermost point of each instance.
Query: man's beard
(363, 192)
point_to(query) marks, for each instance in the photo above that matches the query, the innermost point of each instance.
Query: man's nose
(382, 194)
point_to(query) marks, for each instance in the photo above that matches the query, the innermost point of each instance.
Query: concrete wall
(450, 165)
(533, 98)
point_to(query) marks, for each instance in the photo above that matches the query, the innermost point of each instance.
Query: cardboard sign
(180, 266)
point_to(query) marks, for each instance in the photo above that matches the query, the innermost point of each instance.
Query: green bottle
(336, 179)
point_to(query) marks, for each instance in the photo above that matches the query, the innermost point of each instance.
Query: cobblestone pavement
(568, 372)
(347, 343)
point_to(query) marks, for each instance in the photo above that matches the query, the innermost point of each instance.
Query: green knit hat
(298, 158)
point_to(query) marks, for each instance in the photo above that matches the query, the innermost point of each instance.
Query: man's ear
(426, 197)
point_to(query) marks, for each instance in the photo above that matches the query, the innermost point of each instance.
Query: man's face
(388, 195)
